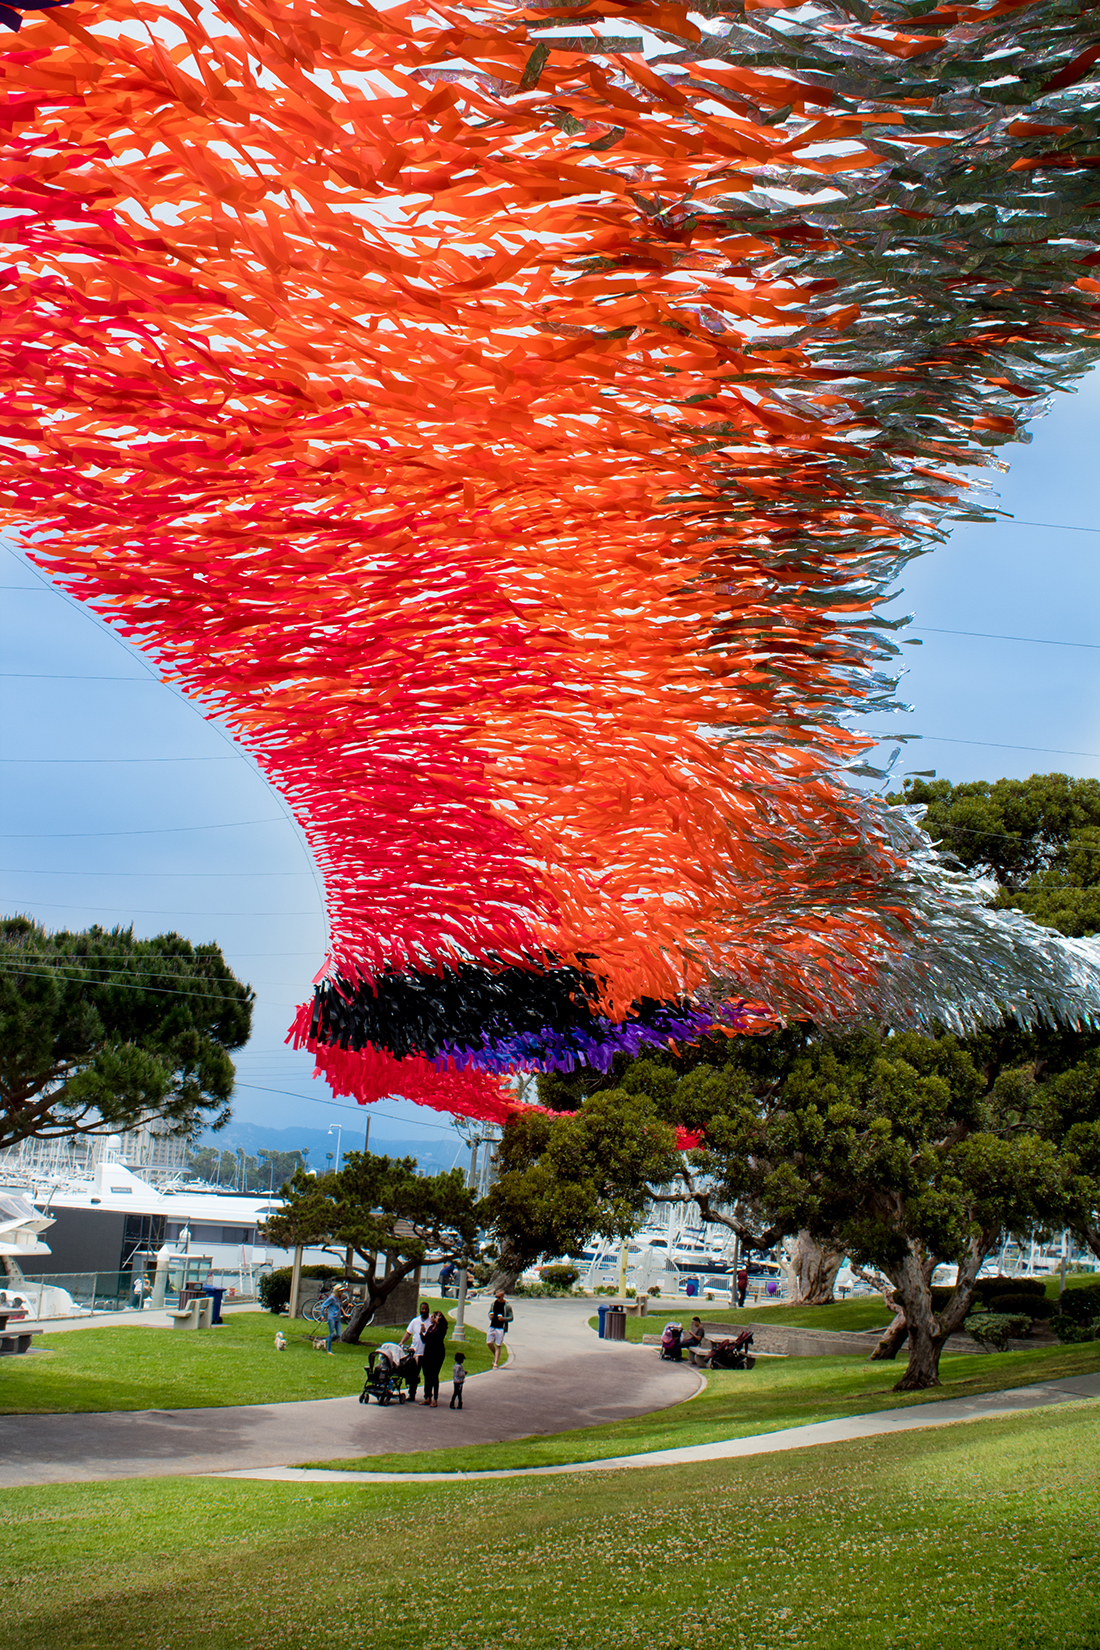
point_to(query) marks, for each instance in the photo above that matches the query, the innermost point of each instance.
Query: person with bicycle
(331, 1309)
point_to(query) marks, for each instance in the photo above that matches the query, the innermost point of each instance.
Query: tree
(893, 1149)
(262, 1173)
(565, 1179)
(1039, 838)
(101, 1032)
(385, 1213)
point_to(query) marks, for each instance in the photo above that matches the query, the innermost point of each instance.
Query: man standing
(742, 1285)
(500, 1316)
(415, 1334)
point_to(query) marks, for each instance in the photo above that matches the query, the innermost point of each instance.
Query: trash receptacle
(216, 1296)
(615, 1324)
(601, 1313)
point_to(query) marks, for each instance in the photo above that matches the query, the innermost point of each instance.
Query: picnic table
(16, 1339)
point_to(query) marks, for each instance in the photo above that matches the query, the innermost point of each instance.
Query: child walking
(458, 1378)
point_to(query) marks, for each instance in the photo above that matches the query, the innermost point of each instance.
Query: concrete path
(559, 1376)
(987, 1406)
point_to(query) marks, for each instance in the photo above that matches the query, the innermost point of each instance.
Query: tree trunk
(923, 1368)
(912, 1281)
(893, 1339)
(377, 1291)
(510, 1264)
(812, 1271)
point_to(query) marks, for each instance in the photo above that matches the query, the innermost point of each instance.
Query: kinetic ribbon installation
(506, 419)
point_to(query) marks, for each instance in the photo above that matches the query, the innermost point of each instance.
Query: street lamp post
(338, 1131)
(459, 1331)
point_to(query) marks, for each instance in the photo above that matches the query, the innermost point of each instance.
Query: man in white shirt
(415, 1334)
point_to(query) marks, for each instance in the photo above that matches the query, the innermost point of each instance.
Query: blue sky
(119, 802)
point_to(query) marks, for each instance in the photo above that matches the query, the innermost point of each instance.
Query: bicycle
(314, 1313)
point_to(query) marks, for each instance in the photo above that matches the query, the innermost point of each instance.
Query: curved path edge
(948, 1412)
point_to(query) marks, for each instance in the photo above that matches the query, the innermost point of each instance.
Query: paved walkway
(987, 1406)
(558, 1376)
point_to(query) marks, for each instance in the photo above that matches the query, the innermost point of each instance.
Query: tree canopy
(564, 1180)
(903, 1151)
(1038, 837)
(899, 1151)
(389, 1216)
(101, 1032)
(264, 1172)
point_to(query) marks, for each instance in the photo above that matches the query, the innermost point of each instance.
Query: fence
(60, 1294)
(86, 1291)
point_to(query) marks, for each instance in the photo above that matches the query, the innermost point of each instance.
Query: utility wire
(11, 969)
(984, 744)
(158, 830)
(38, 871)
(83, 761)
(363, 1111)
(126, 910)
(995, 636)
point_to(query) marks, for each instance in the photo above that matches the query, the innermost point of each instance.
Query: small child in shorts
(458, 1378)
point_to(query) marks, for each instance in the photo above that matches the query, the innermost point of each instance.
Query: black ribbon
(12, 20)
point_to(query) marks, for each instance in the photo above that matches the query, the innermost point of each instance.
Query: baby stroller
(388, 1370)
(670, 1343)
(733, 1354)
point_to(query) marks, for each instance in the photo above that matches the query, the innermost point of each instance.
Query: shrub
(559, 1277)
(607, 1289)
(654, 1289)
(1071, 1333)
(996, 1328)
(631, 1294)
(1080, 1305)
(274, 1287)
(987, 1288)
(1032, 1306)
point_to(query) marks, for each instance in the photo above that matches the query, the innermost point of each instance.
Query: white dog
(280, 1342)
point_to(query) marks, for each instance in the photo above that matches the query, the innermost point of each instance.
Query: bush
(274, 1287)
(1032, 1306)
(1080, 1305)
(987, 1288)
(559, 1277)
(654, 1289)
(996, 1328)
(1071, 1333)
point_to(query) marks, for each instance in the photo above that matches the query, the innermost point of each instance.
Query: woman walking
(330, 1307)
(435, 1348)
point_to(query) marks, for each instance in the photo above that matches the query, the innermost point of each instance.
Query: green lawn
(853, 1316)
(980, 1535)
(118, 1368)
(781, 1392)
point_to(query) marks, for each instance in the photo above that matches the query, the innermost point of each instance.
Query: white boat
(108, 1228)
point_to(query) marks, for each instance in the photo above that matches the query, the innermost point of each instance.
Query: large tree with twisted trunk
(389, 1217)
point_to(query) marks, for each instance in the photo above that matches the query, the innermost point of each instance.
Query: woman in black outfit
(435, 1349)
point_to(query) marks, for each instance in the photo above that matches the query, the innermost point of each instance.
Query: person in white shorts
(500, 1316)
